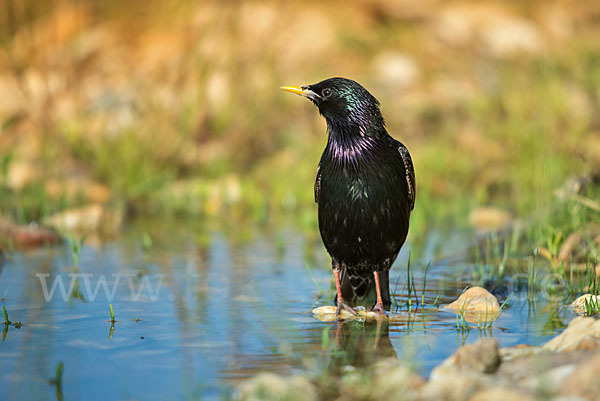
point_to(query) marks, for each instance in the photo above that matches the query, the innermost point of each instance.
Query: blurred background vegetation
(173, 108)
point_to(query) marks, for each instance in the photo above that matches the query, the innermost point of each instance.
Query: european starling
(364, 189)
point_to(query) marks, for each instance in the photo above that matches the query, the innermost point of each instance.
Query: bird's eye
(326, 92)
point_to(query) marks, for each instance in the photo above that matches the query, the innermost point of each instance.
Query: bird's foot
(342, 305)
(378, 308)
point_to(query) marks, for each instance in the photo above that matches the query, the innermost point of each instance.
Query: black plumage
(365, 191)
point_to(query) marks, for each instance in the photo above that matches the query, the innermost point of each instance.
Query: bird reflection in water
(360, 344)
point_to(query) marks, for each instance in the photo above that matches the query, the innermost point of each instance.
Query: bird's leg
(379, 305)
(340, 300)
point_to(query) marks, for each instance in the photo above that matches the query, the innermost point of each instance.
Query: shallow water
(217, 308)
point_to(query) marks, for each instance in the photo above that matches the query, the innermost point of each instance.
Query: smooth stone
(477, 305)
(464, 373)
(581, 333)
(482, 357)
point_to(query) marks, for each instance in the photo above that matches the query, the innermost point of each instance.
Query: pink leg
(340, 300)
(379, 305)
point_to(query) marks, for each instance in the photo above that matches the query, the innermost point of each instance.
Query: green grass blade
(5, 314)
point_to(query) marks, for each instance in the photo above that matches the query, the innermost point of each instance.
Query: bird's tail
(358, 288)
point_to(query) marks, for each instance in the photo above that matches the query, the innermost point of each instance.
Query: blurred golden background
(112, 108)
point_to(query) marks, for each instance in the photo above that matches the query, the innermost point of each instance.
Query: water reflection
(230, 306)
(56, 381)
(360, 344)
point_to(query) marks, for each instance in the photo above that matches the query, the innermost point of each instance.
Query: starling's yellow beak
(294, 89)
(301, 90)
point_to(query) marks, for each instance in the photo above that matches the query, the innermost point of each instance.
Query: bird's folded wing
(318, 183)
(410, 175)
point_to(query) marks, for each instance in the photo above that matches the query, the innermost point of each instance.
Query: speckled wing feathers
(318, 183)
(410, 174)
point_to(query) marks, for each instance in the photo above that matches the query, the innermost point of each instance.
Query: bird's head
(344, 103)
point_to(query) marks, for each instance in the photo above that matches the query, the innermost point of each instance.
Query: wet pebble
(327, 314)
